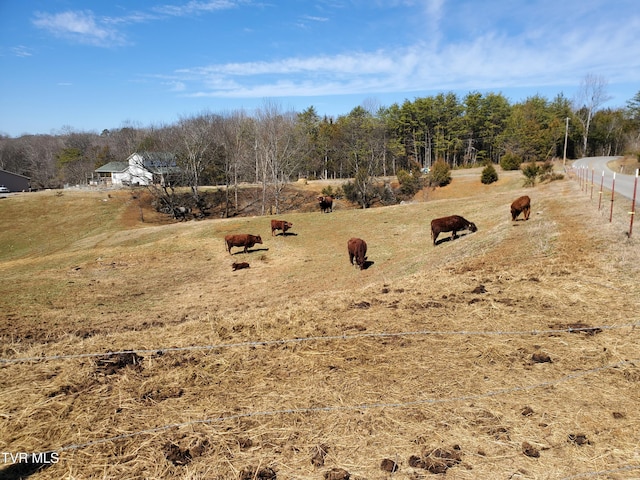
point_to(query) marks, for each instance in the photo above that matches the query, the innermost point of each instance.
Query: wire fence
(342, 408)
(266, 343)
(364, 407)
(589, 182)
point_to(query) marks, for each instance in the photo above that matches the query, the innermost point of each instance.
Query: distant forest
(272, 146)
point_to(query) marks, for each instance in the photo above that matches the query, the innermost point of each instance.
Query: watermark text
(25, 457)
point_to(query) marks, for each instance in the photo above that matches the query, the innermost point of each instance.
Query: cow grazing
(358, 251)
(239, 265)
(242, 240)
(453, 223)
(280, 225)
(181, 212)
(521, 205)
(326, 204)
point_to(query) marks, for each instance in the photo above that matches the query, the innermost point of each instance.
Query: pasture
(511, 352)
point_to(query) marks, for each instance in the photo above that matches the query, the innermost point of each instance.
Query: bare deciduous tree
(236, 136)
(278, 145)
(590, 96)
(197, 144)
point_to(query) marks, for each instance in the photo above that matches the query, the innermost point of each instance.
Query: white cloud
(314, 18)
(176, 86)
(493, 60)
(87, 28)
(80, 26)
(21, 51)
(195, 7)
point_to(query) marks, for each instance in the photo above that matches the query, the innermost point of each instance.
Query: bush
(530, 171)
(547, 174)
(410, 183)
(440, 174)
(327, 191)
(489, 175)
(510, 161)
(350, 192)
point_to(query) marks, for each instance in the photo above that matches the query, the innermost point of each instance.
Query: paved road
(624, 183)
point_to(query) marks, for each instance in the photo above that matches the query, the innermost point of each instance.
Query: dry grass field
(509, 353)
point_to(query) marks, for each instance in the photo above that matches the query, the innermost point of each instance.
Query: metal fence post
(633, 204)
(613, 190)
(600, 193)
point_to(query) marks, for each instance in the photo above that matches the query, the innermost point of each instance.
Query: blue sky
(94, 65)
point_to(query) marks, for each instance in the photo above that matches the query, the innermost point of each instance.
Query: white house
(141, 168)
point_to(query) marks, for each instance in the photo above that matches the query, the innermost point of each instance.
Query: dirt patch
(117, 361)
(627, 165)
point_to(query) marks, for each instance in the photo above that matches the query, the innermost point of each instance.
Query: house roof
(157, 159)
(161, 163)
(164, 170)
(15, 174)
(158, 162)
(113, 167)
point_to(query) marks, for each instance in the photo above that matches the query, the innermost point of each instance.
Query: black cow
(453, 223)
(181, 212)
(326, 204)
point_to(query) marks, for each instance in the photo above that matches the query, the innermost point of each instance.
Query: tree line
(273, 147)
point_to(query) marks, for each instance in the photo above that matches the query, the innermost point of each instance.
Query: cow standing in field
(280, 225)
(326, 204)
(358, 251)
(181, 212)
(242, 240)
(521, 205)
(453, 223)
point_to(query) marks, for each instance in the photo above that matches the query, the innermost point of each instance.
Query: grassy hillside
(517, 338)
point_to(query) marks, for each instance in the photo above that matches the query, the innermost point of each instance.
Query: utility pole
(566, 134)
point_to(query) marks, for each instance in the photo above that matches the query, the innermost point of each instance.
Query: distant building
(141, 168)
(15, 182)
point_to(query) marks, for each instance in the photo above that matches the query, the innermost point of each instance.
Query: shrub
(530, 171)
(327, 191)
(410, 183)
(349, 190)
(510, 161)
(547, 174)
(386, 193)
(489, 175)
(440, 174)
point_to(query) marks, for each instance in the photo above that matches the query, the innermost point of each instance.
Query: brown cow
(280, 225)
(326, 204)
(453, 223)
(358, 250)
(242, 240)
(239, 266)
(521, 205)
